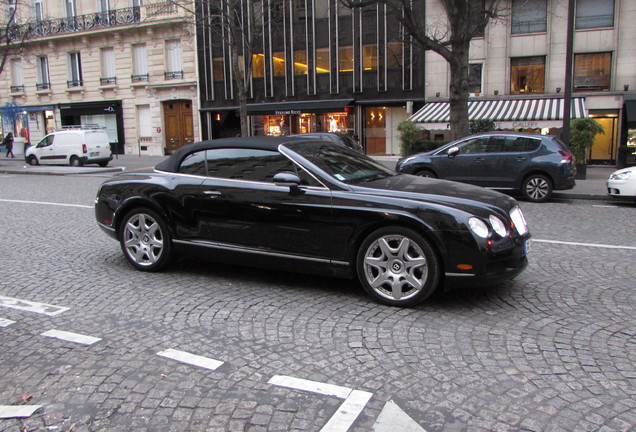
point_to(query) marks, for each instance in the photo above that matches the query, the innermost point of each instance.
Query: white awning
(533, 113)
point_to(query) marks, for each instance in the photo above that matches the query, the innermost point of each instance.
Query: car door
(517, 160)
(467, 165)
(241, 207)
(44, 150)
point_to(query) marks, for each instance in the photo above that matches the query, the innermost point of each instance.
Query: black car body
(534, 165)
(340, 138)
(317, 207)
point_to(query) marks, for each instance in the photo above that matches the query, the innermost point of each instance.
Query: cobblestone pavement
(553, 350)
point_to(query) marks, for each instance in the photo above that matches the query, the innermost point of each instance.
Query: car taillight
(566, 157)
(84, 149)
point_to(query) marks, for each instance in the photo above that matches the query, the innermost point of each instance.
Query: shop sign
(287, 112)
(526, 125)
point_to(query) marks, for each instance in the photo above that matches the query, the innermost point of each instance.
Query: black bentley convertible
(313, 206)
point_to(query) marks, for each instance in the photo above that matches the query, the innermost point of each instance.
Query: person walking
(8, 143)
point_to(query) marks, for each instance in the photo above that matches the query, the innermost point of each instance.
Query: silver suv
(534, 165)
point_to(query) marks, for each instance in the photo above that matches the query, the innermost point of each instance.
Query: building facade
(125, 65)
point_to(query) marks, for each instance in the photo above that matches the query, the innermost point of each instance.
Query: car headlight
(520, 222)
(621, 175)
(479, 227)
(498, 226)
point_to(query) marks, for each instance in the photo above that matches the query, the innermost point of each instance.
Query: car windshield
(340, 162)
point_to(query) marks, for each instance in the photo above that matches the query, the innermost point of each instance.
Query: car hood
(435, 191)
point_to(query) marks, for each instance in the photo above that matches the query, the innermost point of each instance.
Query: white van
(73, 146)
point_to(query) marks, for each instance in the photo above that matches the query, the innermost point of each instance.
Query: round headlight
(519, 220)
(479, 227)
(498, 226)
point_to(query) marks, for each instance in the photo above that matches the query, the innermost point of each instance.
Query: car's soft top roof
(260, 142)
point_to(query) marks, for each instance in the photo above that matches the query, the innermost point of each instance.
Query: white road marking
(348, 412)
(597, 245)
(18, 411)
(604, 206)
(47, 203)
(393, 418)
(192, 359)
(5, 322)
(29, 306)
(71, 337)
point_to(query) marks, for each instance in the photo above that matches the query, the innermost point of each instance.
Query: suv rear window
(522, 144)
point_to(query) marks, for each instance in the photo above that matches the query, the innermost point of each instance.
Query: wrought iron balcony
(75, 83)
(140, 78)
(108, 81)
(43, 86)
(17, 89)
(173, 75)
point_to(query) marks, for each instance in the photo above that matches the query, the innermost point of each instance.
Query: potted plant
(582, 133)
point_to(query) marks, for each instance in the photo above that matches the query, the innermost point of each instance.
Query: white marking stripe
(47, 203)
(348, 412)
(17, 411)
(29, 306)
(585, 244)
(193, 359)
(5, 322)
(393, 418)
(71, 337)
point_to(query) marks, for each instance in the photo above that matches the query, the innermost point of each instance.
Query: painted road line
(71, 337)
(192, 359)
(5, 322)
(18, 411)
(347, 413)
(597, 245)
(47, 203)
(29, 306)
(393, 418)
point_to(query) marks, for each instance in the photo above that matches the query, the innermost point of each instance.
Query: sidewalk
(593, 187)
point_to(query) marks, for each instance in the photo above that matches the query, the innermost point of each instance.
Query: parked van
(73, 146)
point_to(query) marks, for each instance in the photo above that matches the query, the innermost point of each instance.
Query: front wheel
(32, 160)
(145, 240)
(537, 188)
(425, 173)
(398, 267)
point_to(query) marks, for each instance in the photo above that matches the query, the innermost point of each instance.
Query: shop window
(322, 60)
(258, 65)
(369, 56)
(345, 58)
(278, 63)
(529, 16)
(527, 74)
(592, 71)
(300, 62)
(474, 78)
(394, 55)
(594, 13)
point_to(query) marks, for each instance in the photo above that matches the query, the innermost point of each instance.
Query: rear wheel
(425, 173)
(537, 188)
(398, 267)
(145, 240)
(75, 161)
(32, 160)
(102, 164)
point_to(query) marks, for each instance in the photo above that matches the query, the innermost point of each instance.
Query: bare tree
(12, 35)
(465, 20)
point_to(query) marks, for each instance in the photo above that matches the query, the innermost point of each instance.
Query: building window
(477, 9)
(300, 62)
(258, 65)
(278, 63)
(529, 16)
(527, 74)
(474, 78)
(74, 70)
(345, 58)
(139, 63)
(17, 78)
(322, 60)
(394, 55)
(11, 12)
(38, 10)
(369, 56)
(108, 66)
(217, 68)
(173, 59)
(592, 72)
(144, 122)
(71, 8)
(594, 13)
(42, 71)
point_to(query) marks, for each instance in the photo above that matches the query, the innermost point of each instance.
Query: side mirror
(288, 179)
(452, 152)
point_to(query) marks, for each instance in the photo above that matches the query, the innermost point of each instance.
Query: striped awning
(534, 112)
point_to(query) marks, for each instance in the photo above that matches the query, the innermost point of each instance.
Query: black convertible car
(317, 207)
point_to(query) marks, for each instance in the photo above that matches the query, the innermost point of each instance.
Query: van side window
(46, 141)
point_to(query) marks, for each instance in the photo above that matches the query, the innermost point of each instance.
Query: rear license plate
(527, 246)
(94, 154)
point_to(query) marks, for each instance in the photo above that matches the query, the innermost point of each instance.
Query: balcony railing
(43, 86)
(74, 83)
(140, 78)
(17, 89)
(173, 75)
(99, 20)
(108, 81)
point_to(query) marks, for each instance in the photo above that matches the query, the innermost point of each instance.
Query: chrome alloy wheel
(395, 267)
(537, 188)
(143, 239)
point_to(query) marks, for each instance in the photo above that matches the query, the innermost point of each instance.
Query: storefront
(106, 114)
(29, 124)
(627, 148)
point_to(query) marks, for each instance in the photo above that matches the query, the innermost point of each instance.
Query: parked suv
(534, 165)
(340, 138)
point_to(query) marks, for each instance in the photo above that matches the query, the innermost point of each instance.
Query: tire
(425, 173)
(32, 160)
(398, 267)
(102, 164)
(145, 240)
(75, 161)
(537, 188)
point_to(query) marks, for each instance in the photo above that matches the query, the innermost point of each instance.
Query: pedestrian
(8, 143)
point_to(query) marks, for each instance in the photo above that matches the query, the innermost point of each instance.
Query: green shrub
(582, 133)
(412, 139)
(477, 126)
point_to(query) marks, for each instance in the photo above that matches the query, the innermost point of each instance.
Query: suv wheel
(537, 188)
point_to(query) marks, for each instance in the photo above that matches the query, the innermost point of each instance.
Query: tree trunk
(459, 90)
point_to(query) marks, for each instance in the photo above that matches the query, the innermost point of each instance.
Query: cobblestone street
(553, 350)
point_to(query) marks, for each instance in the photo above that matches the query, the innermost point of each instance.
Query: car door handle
(520, 159)
(479, 160)
(212, 194)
